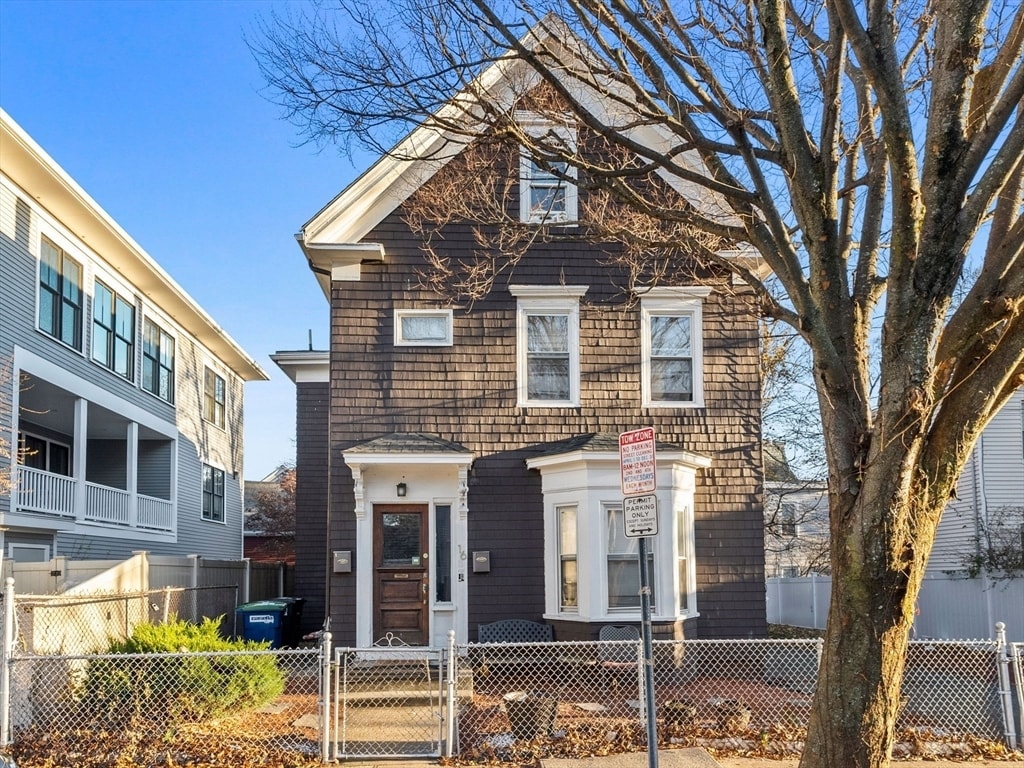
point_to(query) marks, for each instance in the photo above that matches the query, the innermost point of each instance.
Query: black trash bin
(276, 621)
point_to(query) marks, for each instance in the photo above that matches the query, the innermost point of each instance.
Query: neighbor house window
(423, 328)
(213, 493)
(624, 564)
(113, 331)
(788, 520)
(44, 454)
(547, 332)
(60, 295)
(547, 190)
(157, 361)
(214, 398)
(567, 563)
(672, 347)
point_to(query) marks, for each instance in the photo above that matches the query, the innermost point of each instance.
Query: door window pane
(401, 539)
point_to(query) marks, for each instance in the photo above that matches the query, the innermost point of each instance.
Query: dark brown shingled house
(458, 462)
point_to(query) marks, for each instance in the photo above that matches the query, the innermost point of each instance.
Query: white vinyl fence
(948, 607)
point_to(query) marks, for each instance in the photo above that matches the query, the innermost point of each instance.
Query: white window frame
(15, 545)
(681, 301)
(547, 301)
(445, 315)
(537, 125)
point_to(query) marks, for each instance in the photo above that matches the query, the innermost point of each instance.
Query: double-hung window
(623, 569)
(214, 398)
(113, 331)
(547, 336)
(547, 188)
(60, 295)
(157, 361)
(213, 494)
(672, 353)
(568, 575)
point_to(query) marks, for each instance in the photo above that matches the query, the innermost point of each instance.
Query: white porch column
(132, 473)
(78, 458)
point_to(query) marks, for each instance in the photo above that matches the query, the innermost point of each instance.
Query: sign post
(638, 470)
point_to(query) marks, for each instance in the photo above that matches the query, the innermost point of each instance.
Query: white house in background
(125, 400)
(796, 531)
(989, 503)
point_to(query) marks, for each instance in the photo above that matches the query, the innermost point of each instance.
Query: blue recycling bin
(275, 621)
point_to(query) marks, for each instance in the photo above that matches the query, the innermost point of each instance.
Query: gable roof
(331, 240)
(35, 172)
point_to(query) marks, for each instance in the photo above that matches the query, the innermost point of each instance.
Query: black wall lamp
(402, 488)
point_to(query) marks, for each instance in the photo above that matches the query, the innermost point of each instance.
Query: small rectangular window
(567, 555)
(60, 295)
(213, 494)
(157, 361)
(113, 331)
(423, 328)
(214, 398)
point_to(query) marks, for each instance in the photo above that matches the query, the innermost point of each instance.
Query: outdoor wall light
(402, 488)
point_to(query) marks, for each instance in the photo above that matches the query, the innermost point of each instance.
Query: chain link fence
(498, 701)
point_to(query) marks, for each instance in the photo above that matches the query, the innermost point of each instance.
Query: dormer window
(547, 193)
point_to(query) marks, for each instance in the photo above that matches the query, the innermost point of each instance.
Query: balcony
(58, 496)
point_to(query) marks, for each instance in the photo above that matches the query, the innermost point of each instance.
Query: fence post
(453, 695)
(325, 698)
(1005, 694)
(5, 663)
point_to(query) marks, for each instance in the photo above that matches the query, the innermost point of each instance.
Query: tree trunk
(874, 591)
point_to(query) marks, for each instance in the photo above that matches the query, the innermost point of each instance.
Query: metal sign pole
(645, 632)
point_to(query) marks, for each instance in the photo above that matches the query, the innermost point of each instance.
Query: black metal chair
(616, 657)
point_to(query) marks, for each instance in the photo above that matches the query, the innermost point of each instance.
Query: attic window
(423, 328)
(547, 193)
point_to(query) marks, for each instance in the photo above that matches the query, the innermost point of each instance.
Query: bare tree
(863, 151)
(272, 513)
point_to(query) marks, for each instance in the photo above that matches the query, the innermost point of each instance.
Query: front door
(400, 585)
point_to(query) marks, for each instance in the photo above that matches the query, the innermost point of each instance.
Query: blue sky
(154, 107)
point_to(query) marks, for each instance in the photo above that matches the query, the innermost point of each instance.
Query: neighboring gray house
(125, 402)
(988, 511)
(796, 533)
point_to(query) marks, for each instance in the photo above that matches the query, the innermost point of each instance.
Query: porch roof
(406, 442)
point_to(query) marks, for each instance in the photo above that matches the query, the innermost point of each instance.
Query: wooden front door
(400, 576)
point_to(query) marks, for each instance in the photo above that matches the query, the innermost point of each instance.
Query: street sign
(636, 462)
(640, 514)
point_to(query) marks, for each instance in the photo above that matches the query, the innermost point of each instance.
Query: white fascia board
(338, 261)
(304, 366)
(662, 458)
(42, 179)
(360, 459)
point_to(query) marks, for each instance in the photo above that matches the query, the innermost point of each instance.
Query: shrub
(179, 672)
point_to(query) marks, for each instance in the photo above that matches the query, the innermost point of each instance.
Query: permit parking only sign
(641, 516)
(636, 462)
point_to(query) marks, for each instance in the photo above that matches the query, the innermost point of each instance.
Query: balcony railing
(50, 494)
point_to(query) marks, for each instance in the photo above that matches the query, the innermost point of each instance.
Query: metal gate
(388, 701)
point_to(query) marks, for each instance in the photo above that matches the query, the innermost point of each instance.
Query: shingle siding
(466, 393)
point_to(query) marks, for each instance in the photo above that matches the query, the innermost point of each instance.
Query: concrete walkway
(667, 758)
